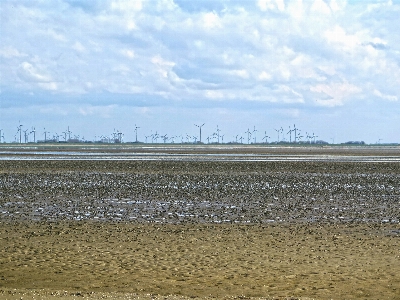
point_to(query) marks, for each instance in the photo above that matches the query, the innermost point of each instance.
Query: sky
(329, 67)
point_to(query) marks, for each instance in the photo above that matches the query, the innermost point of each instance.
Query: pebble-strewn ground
(73, 229)
(199, 192)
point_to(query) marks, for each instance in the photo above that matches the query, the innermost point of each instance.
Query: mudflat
(76, 229)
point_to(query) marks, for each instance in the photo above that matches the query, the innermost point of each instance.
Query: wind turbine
(308, 137)
(277, 130)
(299, 136)
(164, 137)
(255, 137)
(218, 130)
(248, 135)
(45, 135)
(34, 134)
(69, 133)
(1, 135)
(295, 133)
(266, 137)
(19, 129)
(136, 128)
(155, 137)
(314, 136)
(290, 135)
(200, 129)
(26, 135)
(120, 135)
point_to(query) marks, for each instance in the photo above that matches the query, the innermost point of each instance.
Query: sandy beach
(203, 230)
(219, 261)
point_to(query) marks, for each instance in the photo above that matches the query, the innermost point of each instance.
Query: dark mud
(200, 192)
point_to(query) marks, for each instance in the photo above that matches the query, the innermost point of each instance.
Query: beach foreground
(95, 260)
(202, 228)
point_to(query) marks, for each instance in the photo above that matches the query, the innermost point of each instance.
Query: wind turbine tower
(308, 137)
(19, 128)
(45, 135)
(266, 137)
(248, 135)
(255, 137)
(26, 135)
(136, 128)
(295, 133)
(200, 129)
(34, 134)
(69, 133)
(218, 130)
(290, 134)
(119, 134)
(277, 131)
(314, 136)
(164, 137)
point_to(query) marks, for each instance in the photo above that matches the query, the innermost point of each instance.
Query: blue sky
(332, 67)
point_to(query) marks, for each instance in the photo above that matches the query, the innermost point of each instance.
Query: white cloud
(211, 20)
(319, 52)
(265, 5)
(240, 73)
(164, 5)
(126, 6)
(338, 35)
(129, 53)
(385, 96)
(78, 47)
(50, 86)
(296, 9)
(213, 94)
(27, 72)
(320, 7)
(337, 92)
(264, 76)
(163, 66)
(9, 52)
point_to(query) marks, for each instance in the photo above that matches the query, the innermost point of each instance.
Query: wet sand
(358, 261)
(296, 230)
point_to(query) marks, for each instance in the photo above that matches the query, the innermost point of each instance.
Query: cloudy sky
(332, 67)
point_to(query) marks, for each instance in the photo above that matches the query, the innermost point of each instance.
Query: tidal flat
(150, 229)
